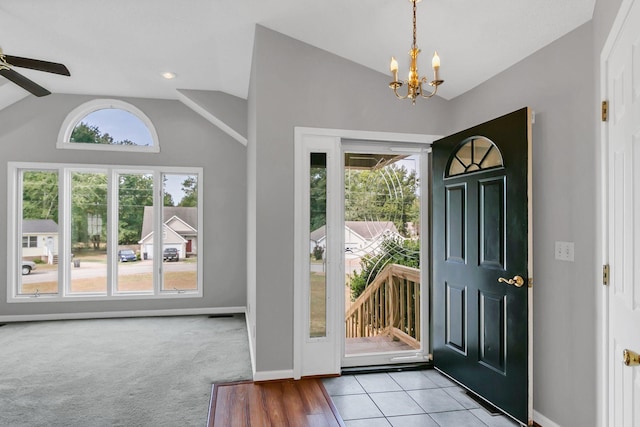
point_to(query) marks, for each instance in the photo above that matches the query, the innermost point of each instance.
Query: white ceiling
(121, 47)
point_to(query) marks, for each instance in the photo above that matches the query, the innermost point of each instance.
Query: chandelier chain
(414, 24)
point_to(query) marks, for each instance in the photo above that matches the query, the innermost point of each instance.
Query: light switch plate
(564, 251)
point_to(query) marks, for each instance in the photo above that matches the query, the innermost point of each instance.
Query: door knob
(630, 358)
(517, 281)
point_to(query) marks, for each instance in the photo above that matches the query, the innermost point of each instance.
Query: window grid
(29, 241)
(85, 215)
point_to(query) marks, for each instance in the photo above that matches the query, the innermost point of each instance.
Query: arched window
(108, 124)
(474, 154)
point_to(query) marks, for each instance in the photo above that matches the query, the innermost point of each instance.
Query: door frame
(334, 337)
(602, 338)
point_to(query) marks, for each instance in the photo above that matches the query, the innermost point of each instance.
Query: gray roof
(317, 234)
(188, 215)
(371, 229)
(39, 226)
(368, 230)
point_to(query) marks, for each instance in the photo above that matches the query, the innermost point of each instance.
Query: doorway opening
(382, 213)
(360, 217)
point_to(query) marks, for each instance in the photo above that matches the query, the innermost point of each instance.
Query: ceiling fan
(7, 62)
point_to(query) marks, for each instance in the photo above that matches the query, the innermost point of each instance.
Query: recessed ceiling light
(169, 75)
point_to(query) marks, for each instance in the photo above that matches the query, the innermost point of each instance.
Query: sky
(121, 125)
(173, 186)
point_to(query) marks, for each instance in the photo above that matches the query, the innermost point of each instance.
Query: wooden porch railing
(390, 306)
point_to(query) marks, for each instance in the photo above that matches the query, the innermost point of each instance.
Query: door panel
(492, 232)
(456, 328)
(623, 86)
(456, 223)
(492, 324)
(481, 232)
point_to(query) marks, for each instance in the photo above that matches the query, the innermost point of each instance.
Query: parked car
(125, 255)
(170, 254)
(27, 267)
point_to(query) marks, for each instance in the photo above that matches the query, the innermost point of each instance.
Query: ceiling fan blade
(36, 64)
(24, 82)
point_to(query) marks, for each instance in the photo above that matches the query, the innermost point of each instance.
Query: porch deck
(374, 344)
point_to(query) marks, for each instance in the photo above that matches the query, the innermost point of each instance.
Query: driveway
(90, 269)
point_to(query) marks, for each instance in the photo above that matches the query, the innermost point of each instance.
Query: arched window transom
(108, 124)
(474, 154)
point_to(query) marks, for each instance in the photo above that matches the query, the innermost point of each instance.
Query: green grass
(183, 280)
(318, 321)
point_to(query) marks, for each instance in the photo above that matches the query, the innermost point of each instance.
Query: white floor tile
(375, 383)
(356, 406)
(396, 403)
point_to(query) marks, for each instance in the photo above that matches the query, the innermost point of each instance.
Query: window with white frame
(107, 220)
(29, 241)
(108, 125)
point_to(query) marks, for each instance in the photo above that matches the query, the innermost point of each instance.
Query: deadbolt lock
(631, 358)
(517, 281)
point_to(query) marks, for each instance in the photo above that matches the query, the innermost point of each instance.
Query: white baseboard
(272, 375)
(252, 354)
(543, 421)
(117, 314)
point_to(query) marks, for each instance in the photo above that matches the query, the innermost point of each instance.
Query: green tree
(318, 197)
(88, 208)
(385, 194)
(40, 195)
(167, 200)
(91, 134)
(135, 192)
(392, 251)
(190, 189)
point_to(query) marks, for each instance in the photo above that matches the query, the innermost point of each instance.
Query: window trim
(64, 170)
(83, 110)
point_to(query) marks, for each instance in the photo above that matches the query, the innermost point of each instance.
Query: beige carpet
(118, 372)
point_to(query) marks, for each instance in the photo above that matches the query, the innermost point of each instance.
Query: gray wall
(229, 109)
(28, 132)
(294, 84)
(557, 82)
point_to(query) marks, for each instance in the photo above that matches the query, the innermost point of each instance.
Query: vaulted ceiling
(121, 47)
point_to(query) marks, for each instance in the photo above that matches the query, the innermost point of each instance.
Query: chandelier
(415, 82)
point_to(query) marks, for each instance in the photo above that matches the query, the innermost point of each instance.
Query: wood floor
(286, 403)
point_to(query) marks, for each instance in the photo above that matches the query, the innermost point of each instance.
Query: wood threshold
(282, 403)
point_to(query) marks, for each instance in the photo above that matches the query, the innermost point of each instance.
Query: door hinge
(605, 274)
(605, 111)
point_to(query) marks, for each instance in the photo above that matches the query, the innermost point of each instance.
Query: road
(90, 269)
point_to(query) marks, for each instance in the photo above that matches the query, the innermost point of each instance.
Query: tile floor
(407, 399)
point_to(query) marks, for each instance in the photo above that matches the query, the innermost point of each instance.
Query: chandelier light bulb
(394, 65)
(435, 62)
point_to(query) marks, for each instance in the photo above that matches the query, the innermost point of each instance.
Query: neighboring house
(360, 237)
(179, 231)
(39, 239)
(318, 237)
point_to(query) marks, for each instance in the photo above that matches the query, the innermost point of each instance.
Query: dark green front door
(481, 234)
